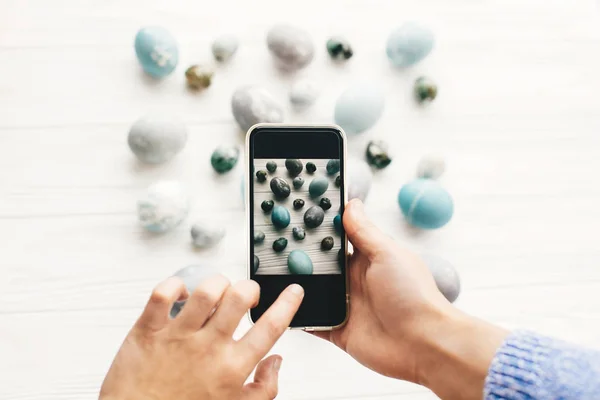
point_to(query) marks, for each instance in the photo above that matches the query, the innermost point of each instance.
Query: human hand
(400, 325)
(193, 356)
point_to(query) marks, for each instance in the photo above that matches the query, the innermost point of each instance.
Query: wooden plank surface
(517, 119)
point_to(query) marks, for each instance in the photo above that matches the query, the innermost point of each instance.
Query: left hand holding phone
(193, 356)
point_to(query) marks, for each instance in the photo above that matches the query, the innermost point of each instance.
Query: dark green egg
(267, 205)
(271, 166)
(294, 166)
(298, 204)
(325, 203)
(259, 236)
(311, 167)
(377, 154)
(280, 244)
(425, 90)
(261, 175)
(224, 158)
(333, 167)
(339, 48)
(256, 263)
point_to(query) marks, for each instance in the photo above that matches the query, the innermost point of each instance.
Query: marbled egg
(291, 47)
(280, 188)
(280, 244)
(426, 204)
(280, 217)
(299, 263)
(318, 186)
(206, 234)
(252, 104)
(199, 76)
(431, 166)
(224, 47)
(359, 107)
(157, 139)
(304, 93)
(298, 233)
(163, 207)
(359, 178)
(445, 275)
(224, 158)
(156, 51)
(192, 276)
(333, 167)
(313, 217)
(378, 154)
(425, 90)
(298, 204)
(294, 166)
(409, 44)
(325, 203)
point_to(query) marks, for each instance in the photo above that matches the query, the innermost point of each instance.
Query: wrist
(455, 353)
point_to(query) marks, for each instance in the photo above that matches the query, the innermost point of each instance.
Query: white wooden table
(517, 117)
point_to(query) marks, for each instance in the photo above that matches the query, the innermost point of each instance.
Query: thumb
(265, 382)
(362, 233)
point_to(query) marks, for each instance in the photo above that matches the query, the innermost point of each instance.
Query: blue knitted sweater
(531, 366)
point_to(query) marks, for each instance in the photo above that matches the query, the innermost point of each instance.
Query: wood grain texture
(517, 118)
(272, 263)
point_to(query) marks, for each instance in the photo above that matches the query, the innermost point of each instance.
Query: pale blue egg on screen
(359, 107)
(156, 50)
(426, 204)
(409, 44)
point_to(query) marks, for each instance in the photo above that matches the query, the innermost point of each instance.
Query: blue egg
(156, 51)
(425, 204)
(337, 223)
(359, 107)
(299, 263)
(409, 44)
(318, 186)
(280, 217)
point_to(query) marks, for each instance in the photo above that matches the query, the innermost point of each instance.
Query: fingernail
(296, 289)
(277, 364)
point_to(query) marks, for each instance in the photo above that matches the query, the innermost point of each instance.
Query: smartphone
(295, 196)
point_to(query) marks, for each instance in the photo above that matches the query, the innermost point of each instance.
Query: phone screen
(296, 201)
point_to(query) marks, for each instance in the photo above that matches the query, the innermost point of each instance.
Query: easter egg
(425, 90)
(339, 48)
(359, 178)
(280, 188)
(156, 51)
(163, 207)
(206, 234)
(157, 139)
(445, 275)
(267, 205)
(252, 104)
(333, 167)
(298, 233)
(337, 224)
(299, 263)
(199, 76)
(431, 166)
(294, 166)
(298, 182)
(298, 204)
(327, 243)
(192, 276)
(271, 166)
(259, 237)
(280, 244)
(359, 107)
(224, 47)
(378, 154)
(313, 217)
(280, 217)
(255, 264)
(291, 47)
(318, 186)
(224, 158)
(304, 93)
(409, 44)
(425, 204)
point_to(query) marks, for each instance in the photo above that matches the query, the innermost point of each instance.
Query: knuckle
(272, 328)
(158, 297)
(207, 296)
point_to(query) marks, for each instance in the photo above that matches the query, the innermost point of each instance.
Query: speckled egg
(206, 234)
(431, 166)
(426, 204)
(299, 263)
(359, 177)
(280, 217)
(313, 217)
(157, 139)
(378, 154)
(252, 104)
(224, 47)
(291, 47)
(327, 243)
(445, 275)
(156, 50)
(339, 48)
(199, 76)
(163, 207)
(425, 90)
(318, 186)
(359, 107)
(298, 233)
(192, 276)
(409, 44)
(333, 167)
(304, 93)
(224, 158)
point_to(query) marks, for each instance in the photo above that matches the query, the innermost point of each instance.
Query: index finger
(271, 325)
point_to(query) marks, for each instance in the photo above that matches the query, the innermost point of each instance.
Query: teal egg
(299, 263)
(156, 50)
(409, 44)
(359, 107)
(337, 223)
(318, 186)
(426, 204)
(280, 217)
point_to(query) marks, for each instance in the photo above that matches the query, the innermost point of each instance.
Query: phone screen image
(295, 205)
(295, 210)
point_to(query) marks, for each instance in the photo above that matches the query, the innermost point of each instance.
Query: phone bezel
(247, 187)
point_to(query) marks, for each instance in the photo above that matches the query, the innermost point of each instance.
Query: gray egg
(445, 276)
(304, 93)
(253, 104)
(291, 47)
(359, 178)
(224, 47)
(206, 234)
(164, 205)
(431, 166)
(192, 275)
(155, 140)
